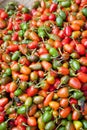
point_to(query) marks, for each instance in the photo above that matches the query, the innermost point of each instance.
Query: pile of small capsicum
(43, 66)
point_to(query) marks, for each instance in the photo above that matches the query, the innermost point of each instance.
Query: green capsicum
(21, 110)
(84, 11)
(16, 55)
(47, 116)
(77, 94)
(75, 65)
(3, 126)
(53, 52)
(84, 122)
(66, 3)
(50, 125)
(59, 21)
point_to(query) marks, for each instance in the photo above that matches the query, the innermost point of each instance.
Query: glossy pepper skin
(75, 65)
(43, 66)
(77, 94)
(84, 124)
(47, 116)
(3, 126)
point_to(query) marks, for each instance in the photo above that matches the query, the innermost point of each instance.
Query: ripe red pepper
(15, 36)
(26, 17)
(12, 48)
(84, 87)
(66, 40)
(53, 7)
(44, 17)
(68, 31)
(83, 69)
(20, 119)
(78, 1)
(73, 101)
(4, 15)
(61, 34)
(10, 26)
(82, 77)
(33, 45)
(52, 17)
(31, 91)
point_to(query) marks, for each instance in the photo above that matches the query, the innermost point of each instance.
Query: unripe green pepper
(56, 64)
(21, 110)
(48, 108)
(48, 46)
(75, 65)
(84, 11)
(84, 122)
(53, 52)
(59, 21)
(8, 71)
(18, 92)
(36, 4)
(77, 94)
(25, 10)
(10, 110)
(53, 37)
(47, 116)
(3, 126)
(7, 38)
(62, 14)
(16, 55)
(72, 72)
(24, 26)
(21, 33)
(61, 128)
(41, 32)
(64, 122)
(50, 125)
(69, 118)
(28, 128)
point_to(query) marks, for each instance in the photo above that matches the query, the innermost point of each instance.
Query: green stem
(71, 90)
(73, 105)
(24, 124)
(37, 85)
(58, 126)
(59, 86)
